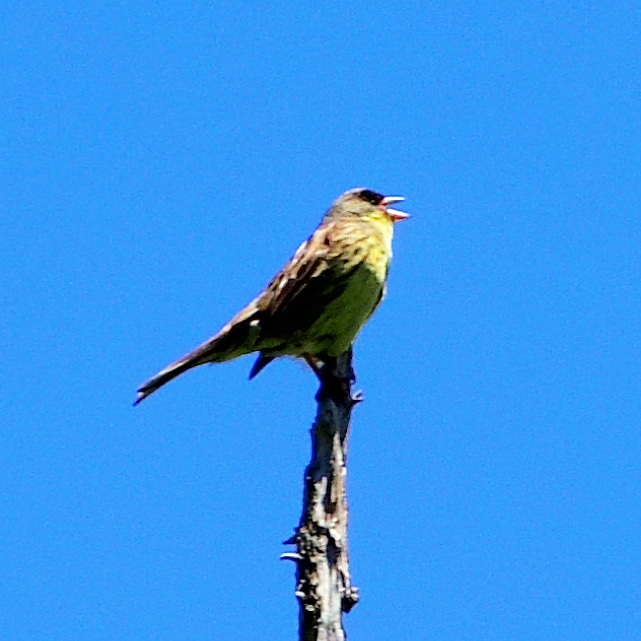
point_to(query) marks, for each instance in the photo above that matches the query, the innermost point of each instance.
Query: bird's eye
(371, 196)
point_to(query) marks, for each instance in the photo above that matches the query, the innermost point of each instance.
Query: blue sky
(161, 161)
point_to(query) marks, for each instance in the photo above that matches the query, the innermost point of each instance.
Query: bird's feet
(336, 376)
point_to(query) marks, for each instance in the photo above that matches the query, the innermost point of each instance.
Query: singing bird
(316, 305)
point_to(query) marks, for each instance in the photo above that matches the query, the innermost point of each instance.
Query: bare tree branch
(324, 586)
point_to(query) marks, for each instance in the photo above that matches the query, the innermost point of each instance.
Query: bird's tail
(164, 376)
(237, 338)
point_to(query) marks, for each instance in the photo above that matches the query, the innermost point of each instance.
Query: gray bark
(323, 582)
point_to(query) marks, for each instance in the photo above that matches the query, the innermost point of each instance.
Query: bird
(317, 304)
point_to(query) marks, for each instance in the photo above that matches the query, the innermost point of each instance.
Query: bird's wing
(318, 273)
(309, 258)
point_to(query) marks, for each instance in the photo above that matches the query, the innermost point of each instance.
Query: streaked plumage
(317, 304)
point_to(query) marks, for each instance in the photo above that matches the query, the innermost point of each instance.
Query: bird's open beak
(394, 214)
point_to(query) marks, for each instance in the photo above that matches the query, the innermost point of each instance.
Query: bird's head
(365, 202)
